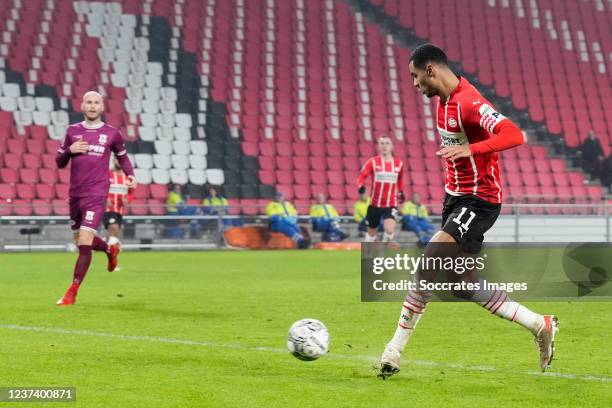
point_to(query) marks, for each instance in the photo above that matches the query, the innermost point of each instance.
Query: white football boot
(389, 362)
(545, 340)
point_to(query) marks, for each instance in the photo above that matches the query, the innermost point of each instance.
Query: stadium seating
(567, 40)
(292, 96)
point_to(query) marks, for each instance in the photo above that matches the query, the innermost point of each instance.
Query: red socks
(82, 264)
(99, 244)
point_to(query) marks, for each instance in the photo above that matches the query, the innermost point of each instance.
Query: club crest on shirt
(452, 122)
(102, 139)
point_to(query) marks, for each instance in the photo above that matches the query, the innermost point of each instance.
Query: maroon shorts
(86, 212)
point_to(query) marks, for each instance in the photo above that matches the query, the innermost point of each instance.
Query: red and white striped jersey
(117, 191)
(465, 117)
(387, 180)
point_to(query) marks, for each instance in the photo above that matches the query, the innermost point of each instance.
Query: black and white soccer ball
(308, 339)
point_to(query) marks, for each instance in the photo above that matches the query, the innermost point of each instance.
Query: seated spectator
(216, 204)
(325, 219)
(592, 155)
(175, 205)
(606, 174)
(415, 219)
(283, 219)
(175, 201)
(360, 209)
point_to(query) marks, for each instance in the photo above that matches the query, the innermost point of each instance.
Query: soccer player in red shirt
(386, 189)
(88, 145)
(472, 134)
(118, 197)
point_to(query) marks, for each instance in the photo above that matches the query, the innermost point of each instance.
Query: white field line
(237, 346)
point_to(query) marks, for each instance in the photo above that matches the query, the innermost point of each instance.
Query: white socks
(387, 237)
(412, 309)
(499, 303)
(369, 238)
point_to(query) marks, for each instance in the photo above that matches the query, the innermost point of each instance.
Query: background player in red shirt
(386, 189)
(472, 133)
(118, 197)
(88, 145)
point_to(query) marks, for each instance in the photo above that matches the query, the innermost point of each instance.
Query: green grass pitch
(208, 329)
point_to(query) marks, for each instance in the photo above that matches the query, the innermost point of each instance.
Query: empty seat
(144, 161)
(162, 161)
(197, 176)
(198, 147)
(180, 161)
(197, 162)
(183, 120)
(160, 176)
(215, 176)
(181, 148)
(178, 176)
(143, 176)
(163, 147)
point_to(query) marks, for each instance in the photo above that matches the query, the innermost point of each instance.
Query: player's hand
(79, 147)
(131, 182)
(454, 152)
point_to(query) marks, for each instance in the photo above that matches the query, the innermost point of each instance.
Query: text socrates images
(531, 272)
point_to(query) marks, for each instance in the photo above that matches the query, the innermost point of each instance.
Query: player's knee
(85, 237)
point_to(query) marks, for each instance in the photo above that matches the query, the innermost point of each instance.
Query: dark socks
(82, 263)
(99, 244)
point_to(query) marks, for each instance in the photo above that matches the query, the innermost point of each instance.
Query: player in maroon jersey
(88, 145)
(386, 189)
(472, 133)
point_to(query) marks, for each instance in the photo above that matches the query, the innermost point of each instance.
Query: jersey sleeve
(63, 152)
(504, 133)
(366, 170)
(118, 147)
(400, 178)
(478, 113)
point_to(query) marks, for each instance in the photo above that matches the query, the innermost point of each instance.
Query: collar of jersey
(86, 126)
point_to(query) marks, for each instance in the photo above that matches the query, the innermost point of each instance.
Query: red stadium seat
(42, 207)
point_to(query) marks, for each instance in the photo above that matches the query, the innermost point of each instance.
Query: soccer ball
(308, 339)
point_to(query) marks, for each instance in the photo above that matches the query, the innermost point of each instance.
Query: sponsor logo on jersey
(118, 189)
(96, 150)
(102, 139)
(386, 177)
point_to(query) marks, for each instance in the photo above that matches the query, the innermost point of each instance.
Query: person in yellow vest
(415, 218)
(283, 219)
(325, 219)
(216, 204)
(175, 200)
(360, 209)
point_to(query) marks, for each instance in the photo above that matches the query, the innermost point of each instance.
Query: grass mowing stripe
(238, 346)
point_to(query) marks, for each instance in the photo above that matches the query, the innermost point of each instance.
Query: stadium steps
(554, 147)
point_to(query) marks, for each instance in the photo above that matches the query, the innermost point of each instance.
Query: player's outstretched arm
(506, 135)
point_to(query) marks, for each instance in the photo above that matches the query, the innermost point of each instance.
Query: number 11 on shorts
(463, 227)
